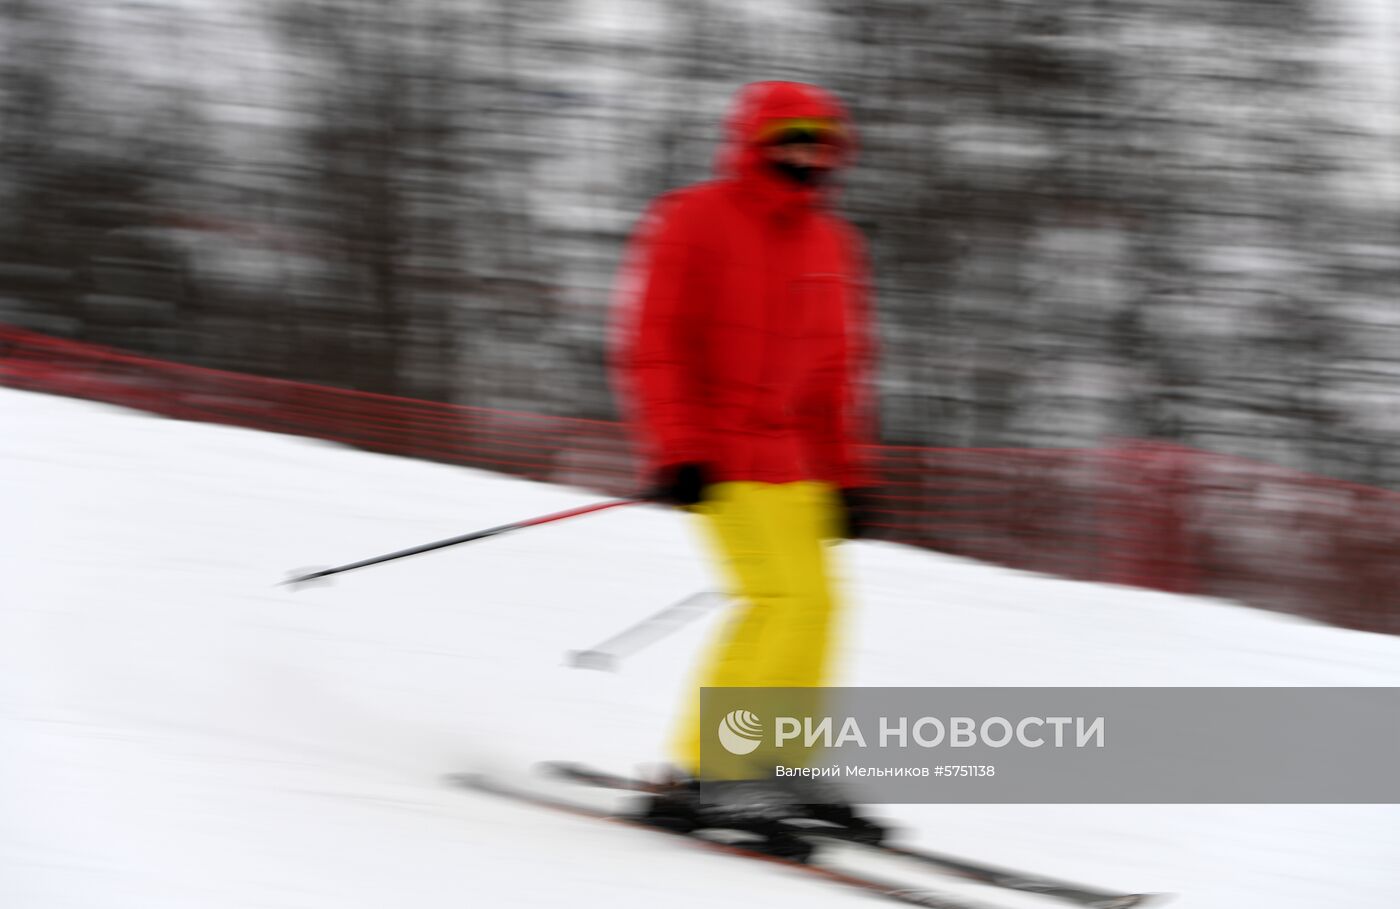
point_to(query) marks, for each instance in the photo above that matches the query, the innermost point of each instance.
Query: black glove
(857, 512)
(679, 484)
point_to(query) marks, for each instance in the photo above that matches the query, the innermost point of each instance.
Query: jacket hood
(759, 102)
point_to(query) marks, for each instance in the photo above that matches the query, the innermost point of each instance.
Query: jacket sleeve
(839, 407)
(655, 337)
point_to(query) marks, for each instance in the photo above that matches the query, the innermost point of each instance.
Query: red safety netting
(1149, 515)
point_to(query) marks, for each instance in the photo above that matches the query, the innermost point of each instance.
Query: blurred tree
(1098, 219)
(80, 186)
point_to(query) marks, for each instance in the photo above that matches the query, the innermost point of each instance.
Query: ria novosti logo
(740, 732)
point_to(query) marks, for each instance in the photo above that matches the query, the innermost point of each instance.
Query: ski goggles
(802, 130)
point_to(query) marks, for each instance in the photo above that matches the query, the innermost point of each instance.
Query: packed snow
(178, 731)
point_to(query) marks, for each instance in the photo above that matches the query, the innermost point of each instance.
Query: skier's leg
(735, 530)
(804, 515)
(769, 543)
(805, 655)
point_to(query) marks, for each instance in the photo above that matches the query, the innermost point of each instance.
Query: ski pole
(464, 538)
(649, 630)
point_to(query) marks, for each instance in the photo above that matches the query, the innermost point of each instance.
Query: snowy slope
(175, 731)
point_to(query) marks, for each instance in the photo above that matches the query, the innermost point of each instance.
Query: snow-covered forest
(1093, 219)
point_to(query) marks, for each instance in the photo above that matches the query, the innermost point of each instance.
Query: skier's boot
(826, 811)
(758, 807)
(755, 810)
(841, 821)
(673, 805)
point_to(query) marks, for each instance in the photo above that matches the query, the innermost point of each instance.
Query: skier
(741, 360)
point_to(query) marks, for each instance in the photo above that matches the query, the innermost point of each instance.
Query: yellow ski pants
(770, 540)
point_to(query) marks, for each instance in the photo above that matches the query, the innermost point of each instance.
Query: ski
(929, 899)
(1090, 897)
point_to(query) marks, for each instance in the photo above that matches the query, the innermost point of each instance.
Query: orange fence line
(1142, 513)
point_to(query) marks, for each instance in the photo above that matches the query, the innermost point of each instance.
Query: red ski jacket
(742, 317)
